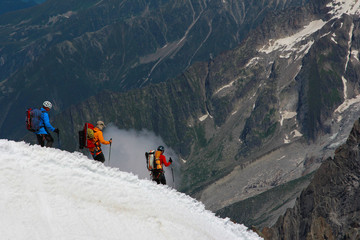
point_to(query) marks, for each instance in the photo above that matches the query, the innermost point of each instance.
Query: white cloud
(128, 152)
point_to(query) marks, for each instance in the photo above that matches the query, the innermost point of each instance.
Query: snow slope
(49, 194)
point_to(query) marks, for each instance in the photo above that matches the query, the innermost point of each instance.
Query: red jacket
(163, 161)
(160, 160)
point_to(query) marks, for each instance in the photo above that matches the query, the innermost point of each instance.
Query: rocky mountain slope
(283, 109)
(243, 121)
(264, 209)
(329, 207)
(254, 118)
(69, 50)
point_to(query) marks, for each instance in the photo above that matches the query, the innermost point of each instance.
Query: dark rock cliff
(329, 208)
(161, 108)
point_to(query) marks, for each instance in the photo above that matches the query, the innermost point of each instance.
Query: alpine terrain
(328, 208)
(253, 96)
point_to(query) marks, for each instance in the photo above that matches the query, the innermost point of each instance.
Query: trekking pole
(172, 172)
(59, 142)
(110, 151)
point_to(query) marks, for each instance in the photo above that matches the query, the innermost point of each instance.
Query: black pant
(100, 157)
(41, 138)
(159, 177)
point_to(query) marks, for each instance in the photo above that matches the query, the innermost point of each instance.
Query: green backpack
(90, 133)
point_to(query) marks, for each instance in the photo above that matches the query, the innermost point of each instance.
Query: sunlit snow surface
(340, 7)
(49, 194)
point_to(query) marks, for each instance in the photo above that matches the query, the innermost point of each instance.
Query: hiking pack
(33, 119)
(153, 160)
(86, 136)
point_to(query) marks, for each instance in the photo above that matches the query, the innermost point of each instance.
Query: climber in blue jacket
(43, 133)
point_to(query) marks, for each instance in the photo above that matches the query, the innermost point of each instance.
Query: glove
(110, 140)
(56, 130)
(170, 160)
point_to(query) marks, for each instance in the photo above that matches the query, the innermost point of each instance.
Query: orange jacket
(98, 138)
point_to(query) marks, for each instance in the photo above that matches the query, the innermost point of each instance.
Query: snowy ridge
(340, 7)
(288, 43)
(52, 194)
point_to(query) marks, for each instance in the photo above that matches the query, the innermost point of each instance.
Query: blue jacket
(45, 123)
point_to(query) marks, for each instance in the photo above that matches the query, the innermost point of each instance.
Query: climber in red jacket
(158, 174)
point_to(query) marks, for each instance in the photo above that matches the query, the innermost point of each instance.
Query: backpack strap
(157, 163)
(42, 124)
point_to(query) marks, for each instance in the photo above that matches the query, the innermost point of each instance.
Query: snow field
(47, 194)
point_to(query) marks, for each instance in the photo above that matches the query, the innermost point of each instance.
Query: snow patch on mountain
(355, 54)
(55, 19)
(224, 87)
(286, 115)
(346, 105)
(340, 7)
(288, 43)
(293, 134)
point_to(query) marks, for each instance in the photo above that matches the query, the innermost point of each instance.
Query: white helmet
(100, 125)
(47, 104)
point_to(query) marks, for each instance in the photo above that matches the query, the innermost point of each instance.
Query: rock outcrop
(329, 208)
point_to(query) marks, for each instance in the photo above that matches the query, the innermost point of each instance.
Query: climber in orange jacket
(96, 151)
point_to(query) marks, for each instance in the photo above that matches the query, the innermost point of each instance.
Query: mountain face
(328, 208)
(68, 51)
(243, 121)
(264, 209)
(266, 113)
(285, 103)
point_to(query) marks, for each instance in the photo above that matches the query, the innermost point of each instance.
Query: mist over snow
(128, 152)
(48, 193)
